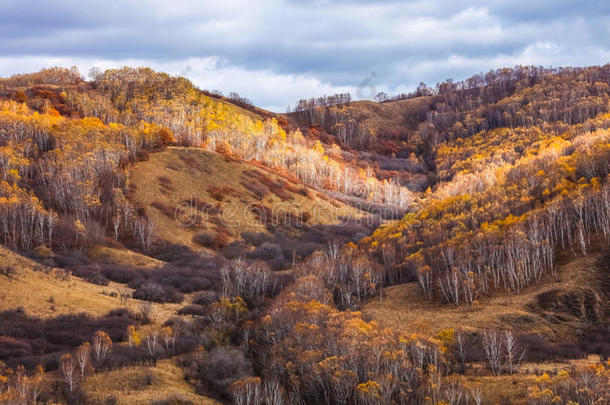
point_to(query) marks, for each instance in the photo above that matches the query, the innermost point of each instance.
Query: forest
(498, 183)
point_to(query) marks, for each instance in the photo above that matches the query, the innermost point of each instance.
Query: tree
(101, 346)
(247, 391)
(381, 97)
(68, 369)
(144, 229)
(514, 354)
(133, 336)
(83, 358)
(152, 345)
(493, 347)
(169, 336)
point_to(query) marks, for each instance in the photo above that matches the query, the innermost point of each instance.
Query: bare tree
(249, 281)
(144, 229)
(477, 395)
(124, 295)
(152, 345)
(68, 369)
(116, 224)
(492, 345)
(83, 358)
(460, 343)
(146, 310)
(247, 391)
(513, 353)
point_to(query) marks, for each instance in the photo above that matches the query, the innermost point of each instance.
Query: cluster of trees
(20, 386)
(324, 101)
(268, 143)
(348, 125)
(248, 281)
(422, 90)
(129, 96)
(502, 351)
(72, 167)
(239, 99)
(17, 387)
(345, 271)
(312, 352)
(502, 233)
(53, 75)
(582, 385)
(512, 98)
(304, 349)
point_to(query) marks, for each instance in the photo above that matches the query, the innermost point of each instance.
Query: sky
(275, 52)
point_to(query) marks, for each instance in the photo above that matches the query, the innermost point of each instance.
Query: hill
(162, 241)
(210, 202)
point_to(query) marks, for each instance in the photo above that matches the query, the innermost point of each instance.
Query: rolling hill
(164, 244)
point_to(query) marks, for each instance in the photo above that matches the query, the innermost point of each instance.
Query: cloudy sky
(277, 51)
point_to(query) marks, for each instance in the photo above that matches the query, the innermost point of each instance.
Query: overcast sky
(277, 51)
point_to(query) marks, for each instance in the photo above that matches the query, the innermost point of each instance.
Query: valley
(163, 244)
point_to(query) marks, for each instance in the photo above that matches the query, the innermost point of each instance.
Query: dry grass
(496, 389)
(43, 292)
(123, 257)
(142, 385)
(405, 308)
(194, 172)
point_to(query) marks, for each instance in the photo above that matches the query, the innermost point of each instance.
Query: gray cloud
(276, 51)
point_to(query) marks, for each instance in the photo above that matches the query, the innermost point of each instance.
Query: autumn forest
(172, 245)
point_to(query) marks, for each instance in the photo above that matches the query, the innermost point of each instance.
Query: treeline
(464, 269)
(523, 96)
(512, 98)
(54, 75)
(348, 125)
(324, 101)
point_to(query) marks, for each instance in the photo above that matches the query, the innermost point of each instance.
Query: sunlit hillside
(165, 244)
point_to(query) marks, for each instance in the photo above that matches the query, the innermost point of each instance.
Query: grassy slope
(33, 286)
(395, 117)
(140, 385)
(191, 173)
(405, 308)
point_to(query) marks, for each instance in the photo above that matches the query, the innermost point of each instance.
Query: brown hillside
(560, 308)
(228, 197)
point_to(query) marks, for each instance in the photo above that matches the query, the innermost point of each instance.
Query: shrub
(192, 310)
(164, 209)
(224, 366)
(267, 251)
(151, 291)
(43, 252)
(8, 271)
(28, 340)
(91, 273)
(205, 297)
(254, 238)
(206, 239)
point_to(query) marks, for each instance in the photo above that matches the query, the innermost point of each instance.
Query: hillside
(561, 308)
(164, 244)
(210, 202)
